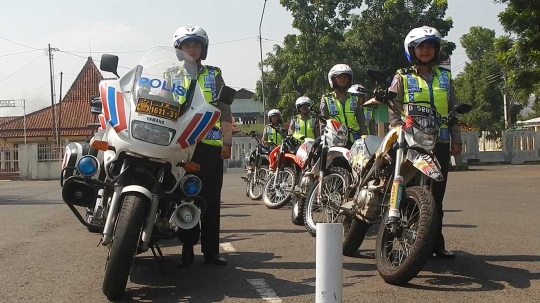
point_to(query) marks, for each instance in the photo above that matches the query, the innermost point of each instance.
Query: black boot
(440, 251)
(188, 257)
(215, 259)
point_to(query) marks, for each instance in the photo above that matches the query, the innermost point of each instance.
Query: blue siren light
(88, 165)
(191, 185)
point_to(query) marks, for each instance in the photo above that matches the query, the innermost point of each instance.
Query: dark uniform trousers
(442, 153)
(211, 175)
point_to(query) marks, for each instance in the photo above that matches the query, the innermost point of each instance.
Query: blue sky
(78, 27)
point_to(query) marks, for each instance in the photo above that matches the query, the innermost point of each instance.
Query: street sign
(7, 103)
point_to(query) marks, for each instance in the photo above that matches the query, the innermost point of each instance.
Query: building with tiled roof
(73, 114)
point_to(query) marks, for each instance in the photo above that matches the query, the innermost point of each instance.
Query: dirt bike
(391, 183)
(284, 169)
(324, 157)
(256, 169)
(148, 142)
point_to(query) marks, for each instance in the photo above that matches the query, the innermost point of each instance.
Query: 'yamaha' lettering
(156, 120)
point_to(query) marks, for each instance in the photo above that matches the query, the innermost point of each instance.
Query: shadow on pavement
(470, 272)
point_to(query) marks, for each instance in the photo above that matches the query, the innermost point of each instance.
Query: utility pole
(60, 112)
(262, 71)
(52, 90)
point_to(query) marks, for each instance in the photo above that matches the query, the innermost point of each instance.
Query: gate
(9, 163)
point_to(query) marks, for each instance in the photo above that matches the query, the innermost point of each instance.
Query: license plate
(158, 109)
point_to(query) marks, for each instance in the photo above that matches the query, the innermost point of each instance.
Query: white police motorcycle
(150, 192)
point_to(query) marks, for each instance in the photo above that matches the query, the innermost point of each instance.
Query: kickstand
(161, 258)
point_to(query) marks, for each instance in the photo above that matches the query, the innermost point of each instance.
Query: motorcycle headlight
(152, 133)
(339, 141)
(423, 138)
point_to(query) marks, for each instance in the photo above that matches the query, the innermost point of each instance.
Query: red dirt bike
(284, 169)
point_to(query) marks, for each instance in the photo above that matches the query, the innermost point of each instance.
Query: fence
(37, 161)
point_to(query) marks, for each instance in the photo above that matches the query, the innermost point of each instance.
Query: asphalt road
(491, 223)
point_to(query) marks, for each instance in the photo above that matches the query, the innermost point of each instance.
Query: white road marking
(264, 290)
(227, 247)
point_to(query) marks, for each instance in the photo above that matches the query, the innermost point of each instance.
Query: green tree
(300, 66)
(331, 34)
(480, 82)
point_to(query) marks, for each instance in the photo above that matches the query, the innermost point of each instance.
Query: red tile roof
(74, 110)
(7, 119)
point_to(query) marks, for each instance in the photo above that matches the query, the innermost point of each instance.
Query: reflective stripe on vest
(437, 93)
(304, 128)
(346, 115)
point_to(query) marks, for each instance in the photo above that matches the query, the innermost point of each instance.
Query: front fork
(278, 167)
(397, 187)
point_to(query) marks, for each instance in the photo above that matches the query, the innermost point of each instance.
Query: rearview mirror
(376, 74)
(226, 95)
(95, 105)
(109, 63)
(462, 108)
(356, 89)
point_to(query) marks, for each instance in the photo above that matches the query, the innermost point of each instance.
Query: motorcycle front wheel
(257, 182)
(122, 252)
(401, 256)
(326, 209)
(279, 196)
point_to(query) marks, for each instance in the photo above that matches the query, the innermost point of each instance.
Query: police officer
(209, 153)
(425, 81)
(346, 108)
(270, 135)
(303, 124)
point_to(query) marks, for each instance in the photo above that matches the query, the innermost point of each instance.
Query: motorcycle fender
(151, 215)
(333, 153)
(426, 163)
(337, 152)
(138, 189)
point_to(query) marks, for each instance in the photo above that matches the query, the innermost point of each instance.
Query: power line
(21, 44)
(21, 69)
(87, 58)
(30, 51)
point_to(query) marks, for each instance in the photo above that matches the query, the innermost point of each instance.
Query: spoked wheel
(401, 256)
(326, 208)
(257, 182)
(279, 196)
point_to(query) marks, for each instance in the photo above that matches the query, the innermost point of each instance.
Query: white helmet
(302, 101)
(337, 70)
(195, 32)
(419, 35)
(273, 112)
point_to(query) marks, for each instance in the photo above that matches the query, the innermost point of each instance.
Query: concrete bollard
(329, 263)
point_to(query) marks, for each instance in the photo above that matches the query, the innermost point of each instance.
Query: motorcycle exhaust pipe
(186, 216)
(79, 193)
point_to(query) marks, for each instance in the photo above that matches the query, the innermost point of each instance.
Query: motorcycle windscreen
(162, 83)
(426, 163)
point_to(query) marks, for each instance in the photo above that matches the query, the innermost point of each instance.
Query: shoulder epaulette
(214, 68)
(405, 70)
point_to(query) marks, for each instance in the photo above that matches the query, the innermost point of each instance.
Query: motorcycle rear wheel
(416, 241)
(122, 252)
